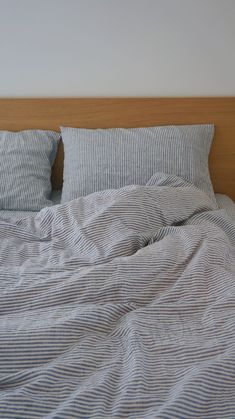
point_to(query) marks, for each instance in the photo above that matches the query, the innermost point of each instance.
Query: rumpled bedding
(120, 304)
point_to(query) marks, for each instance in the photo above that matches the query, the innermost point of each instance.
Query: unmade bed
(117, 294)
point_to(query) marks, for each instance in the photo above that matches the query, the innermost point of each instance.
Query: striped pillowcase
(26, 158)
(112, 158)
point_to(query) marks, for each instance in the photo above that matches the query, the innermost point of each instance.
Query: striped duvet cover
(120, 304)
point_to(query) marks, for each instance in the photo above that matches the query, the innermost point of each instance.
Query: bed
(120, 302)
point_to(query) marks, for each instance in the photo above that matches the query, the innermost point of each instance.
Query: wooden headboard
(18, 114)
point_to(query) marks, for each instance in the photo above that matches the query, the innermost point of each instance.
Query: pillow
(112, 158)
(26, 158)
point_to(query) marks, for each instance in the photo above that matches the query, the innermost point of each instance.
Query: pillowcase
(26, 158)
(112, 158)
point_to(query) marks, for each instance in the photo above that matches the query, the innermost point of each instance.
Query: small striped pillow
(112, 158)
(26, 158)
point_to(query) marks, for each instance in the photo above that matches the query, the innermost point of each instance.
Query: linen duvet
(119, 304)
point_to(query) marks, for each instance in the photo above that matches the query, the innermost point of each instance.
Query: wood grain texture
(19, 114)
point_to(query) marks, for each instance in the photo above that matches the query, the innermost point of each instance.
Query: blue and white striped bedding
(26, 159)
(223, 202)
(120, 304)
(226, 203)
(17, 215)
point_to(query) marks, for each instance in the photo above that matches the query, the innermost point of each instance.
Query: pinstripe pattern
(112, 158)
(119, 305)
(17, 215)
(26, 158)
(222, 201)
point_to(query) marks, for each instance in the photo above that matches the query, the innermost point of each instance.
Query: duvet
(120, 304)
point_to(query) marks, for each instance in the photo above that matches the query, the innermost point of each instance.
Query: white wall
(117, 47)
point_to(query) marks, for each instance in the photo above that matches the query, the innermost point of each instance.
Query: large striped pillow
(26, 158)
(112, 158)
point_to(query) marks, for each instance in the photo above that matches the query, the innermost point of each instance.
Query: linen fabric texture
(26, 159)
(99, 159)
